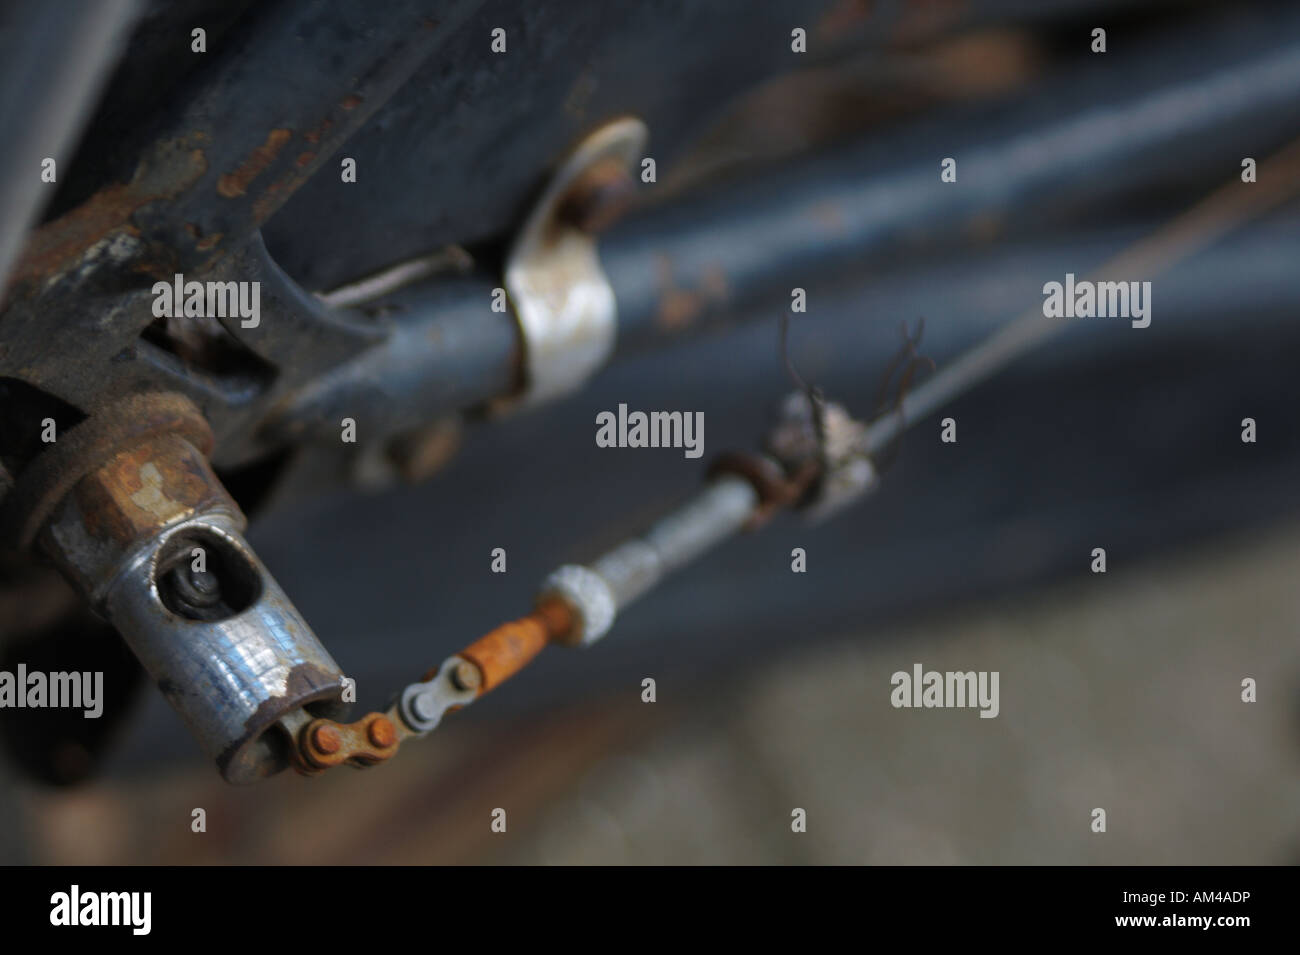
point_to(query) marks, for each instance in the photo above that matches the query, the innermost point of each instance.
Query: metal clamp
(562, 299)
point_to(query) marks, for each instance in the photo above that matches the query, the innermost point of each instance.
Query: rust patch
(420, 454)
(55, 246)
(235, 184)
(326, 739)
(922, 18)
(351, 102)
(382, 733)
(829, 216)
(844, 16)
(324, 744)
(240, 762)
(714, 283)
(58, 246)
(145, 487)
(89, 446)
(314, 134)
(600, 196)
(679, 307)
(506, 650)
(202, 243)
(272, 196)
(305, 159)
(985, 227)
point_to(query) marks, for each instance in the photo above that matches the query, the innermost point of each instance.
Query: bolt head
(204, 581)
(423, 707)
(466, 676)
(327, 740)
(382, 733)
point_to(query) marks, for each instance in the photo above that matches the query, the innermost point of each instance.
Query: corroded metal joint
(776, 488)
(828, 447)
(323, 744)
(128, 508)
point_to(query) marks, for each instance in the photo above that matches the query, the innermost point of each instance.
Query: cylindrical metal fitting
(152, 539)
(234, 673)
(597, 593)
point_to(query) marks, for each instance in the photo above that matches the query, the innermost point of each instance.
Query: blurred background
(1119, 690)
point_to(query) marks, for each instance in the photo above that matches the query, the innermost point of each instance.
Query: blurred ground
(1119, 691)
